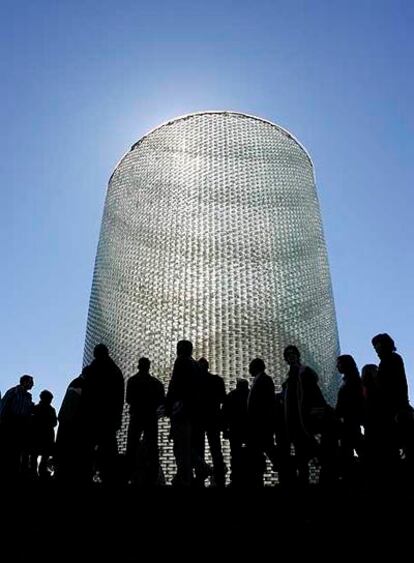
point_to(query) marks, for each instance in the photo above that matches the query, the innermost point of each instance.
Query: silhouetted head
(383, 344)
(291, 355)
(100, 352)
(26, 381)
(46, 396)
(144, 365)
(242, 384)
(347, 366)
(368, 375)
(184, 348)
(256, 366)
(204, 365)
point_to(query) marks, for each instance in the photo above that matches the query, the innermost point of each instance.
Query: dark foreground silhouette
(44, 521)
(361, 505)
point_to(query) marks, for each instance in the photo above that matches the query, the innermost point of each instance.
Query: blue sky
(82, 80)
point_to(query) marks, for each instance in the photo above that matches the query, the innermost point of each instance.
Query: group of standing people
(371, 427)
(368, 434)
(26, 431)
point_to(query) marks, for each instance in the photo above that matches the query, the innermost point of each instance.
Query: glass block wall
(212, 232)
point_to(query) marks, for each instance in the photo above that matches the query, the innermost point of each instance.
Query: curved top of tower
(219, 112)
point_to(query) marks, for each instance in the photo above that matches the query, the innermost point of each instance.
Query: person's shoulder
(398, 364)
(397, 359)
(266, 377)
(184, 364)
(309, 375)
(10, 392)
(213, 377)
(269, 382)
(77, 382)
(156, 382)
(180, 361)
(116, 369)
(263, 381)
(221, 383)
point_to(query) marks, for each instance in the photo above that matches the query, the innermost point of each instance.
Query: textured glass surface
(212, 232)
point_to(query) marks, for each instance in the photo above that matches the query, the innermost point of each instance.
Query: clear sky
(82, 80)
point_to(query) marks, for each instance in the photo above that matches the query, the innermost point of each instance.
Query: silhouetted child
(44, 421)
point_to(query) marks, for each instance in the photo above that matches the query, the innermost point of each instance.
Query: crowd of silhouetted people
(368, 436)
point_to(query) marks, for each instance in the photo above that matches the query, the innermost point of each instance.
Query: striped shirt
(17, 402)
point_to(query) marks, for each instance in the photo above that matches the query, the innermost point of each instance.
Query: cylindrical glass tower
(212, 232)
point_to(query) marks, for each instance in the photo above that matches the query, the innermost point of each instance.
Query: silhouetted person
(392, 397)
(372, 412)
(391, 379)
(368, 380)
(349, 411)
(235, 429)
(103, 399)
(260, 421)
(213, 394)
(183, 406)
(43, 425)
(305, 416)
(16, 410)
(72, 455)
(145, 396)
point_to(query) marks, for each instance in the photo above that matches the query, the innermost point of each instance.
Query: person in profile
(71, 455)
(16, 410)
(260, 422)
(306, 414)
(393, 407)
(234, 415)
(183, 407)
(145, 397)
(103, 400)
(213, 393)
(44, 421)
(349, 411)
